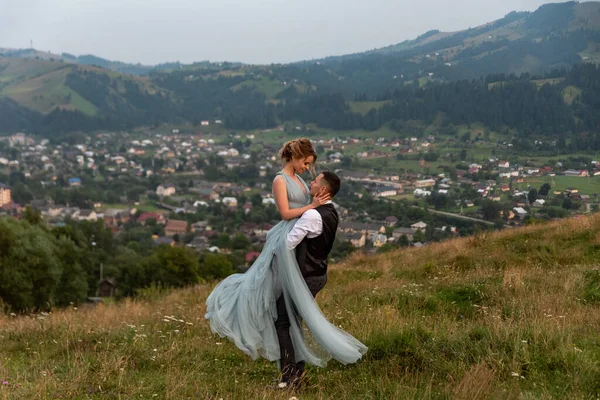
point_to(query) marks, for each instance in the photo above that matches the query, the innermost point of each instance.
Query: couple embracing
(262, 310)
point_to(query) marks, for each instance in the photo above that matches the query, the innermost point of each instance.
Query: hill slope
(556, 35)
(506, 314)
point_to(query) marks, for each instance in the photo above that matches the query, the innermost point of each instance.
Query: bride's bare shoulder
(279, 178)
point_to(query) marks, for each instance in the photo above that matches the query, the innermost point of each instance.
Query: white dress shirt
(309, 225)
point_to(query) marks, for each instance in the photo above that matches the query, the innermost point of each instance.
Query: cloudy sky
(252, 31)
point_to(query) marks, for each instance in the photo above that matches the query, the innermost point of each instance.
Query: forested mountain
(533, 73)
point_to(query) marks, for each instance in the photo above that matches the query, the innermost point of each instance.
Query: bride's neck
(288, 169)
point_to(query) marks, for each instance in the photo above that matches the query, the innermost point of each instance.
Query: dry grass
(511, 314)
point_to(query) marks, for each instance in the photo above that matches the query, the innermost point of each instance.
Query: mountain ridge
(586, 16)
(556, 37)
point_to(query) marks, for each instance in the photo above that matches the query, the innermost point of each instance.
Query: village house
(199, 243)
(357, 240)
(165, 190)
(169, 241)
(384, 191)
(520, 212)
(538, 203)
(176, 227)
(391, 220)
(353, 227)
(378, 239)
(145, 216)
(85, 215)
(73, 182)
(230, 202)
(4, 194)
(251, 256)
(398, 233)
(107, 287)
(262, 230)
(419, 226)
(575, 172)
(421, 193)
(425, 183)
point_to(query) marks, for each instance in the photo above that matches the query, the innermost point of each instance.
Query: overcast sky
(251, 31)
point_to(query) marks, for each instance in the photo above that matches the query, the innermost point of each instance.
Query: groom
(312, 236)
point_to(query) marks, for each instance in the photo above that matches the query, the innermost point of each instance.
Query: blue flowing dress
(242, 307)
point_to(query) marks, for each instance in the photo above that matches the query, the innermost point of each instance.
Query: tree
(418, 236)
(491, 210)
(215, 266)
(403, 241)
(240, 242)
(173, 266)
(567, 203)
(34, 217)
(29, 267)
(386, 248)
(544, 189)
(532, 195)
(72, 287)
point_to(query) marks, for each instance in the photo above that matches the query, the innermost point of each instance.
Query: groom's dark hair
(332, 181)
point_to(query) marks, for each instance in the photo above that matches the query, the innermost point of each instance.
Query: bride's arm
(281, 199)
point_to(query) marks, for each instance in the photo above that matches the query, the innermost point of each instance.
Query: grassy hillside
(501, 315)
(44, 86)
(16, 69)
(554, 36)
(48, 92)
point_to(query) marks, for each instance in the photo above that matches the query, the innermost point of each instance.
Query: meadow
(498, 315)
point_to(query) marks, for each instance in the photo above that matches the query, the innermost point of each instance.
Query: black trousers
(289, 367)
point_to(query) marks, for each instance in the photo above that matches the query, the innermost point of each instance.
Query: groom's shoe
(297, 381)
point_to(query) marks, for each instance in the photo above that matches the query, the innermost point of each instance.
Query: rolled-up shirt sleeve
(310, 224)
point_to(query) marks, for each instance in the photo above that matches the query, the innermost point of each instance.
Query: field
(587, 186)
(143, 207)
(47, 92)
(267, 86)
(15, 69)
(363, 107)
(499, 315)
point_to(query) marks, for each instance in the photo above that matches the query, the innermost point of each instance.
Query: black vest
(311, 254)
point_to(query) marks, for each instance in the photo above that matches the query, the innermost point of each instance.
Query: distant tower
(31, 43)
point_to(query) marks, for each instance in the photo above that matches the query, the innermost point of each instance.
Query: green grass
(551, 81)
(363, 107)
(267, 86)
(570, 93)
(147, 207)
(143, 207)
(497, 315)
(115, 205)
(48, 92)
(16, 69)
(587, 186)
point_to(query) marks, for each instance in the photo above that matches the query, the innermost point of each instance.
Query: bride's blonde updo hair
(297, 148)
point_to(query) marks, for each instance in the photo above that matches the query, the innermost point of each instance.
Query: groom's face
(317, 186)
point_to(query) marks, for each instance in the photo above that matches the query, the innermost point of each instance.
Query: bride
(243, 306)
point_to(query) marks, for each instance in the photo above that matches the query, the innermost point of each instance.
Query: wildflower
(4, 383)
